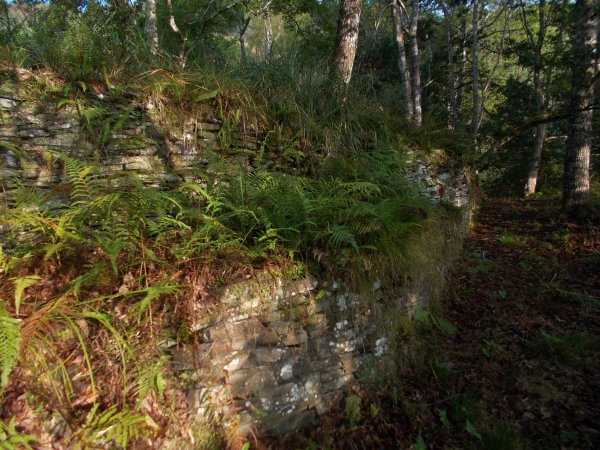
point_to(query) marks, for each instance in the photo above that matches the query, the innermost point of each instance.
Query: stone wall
(274, 351)
(123, 137)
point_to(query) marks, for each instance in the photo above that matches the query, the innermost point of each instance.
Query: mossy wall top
(275, 350)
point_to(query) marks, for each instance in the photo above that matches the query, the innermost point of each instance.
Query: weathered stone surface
(272, 345)
(7, 103)
(269, 354)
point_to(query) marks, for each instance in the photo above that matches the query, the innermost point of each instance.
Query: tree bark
(268, 34)
(576, 190)
(535, 160)
(463, 62)
(416, 64)
(452, 98)
(177, 31)
(347, 39)
(402, 62)
(476, 117)
(151, 31)
(540, 104)
(243, 27)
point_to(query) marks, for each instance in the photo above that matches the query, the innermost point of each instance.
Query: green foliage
(565, 347)
(464, 408)
(112, 426)
(9, 344)
(502, 437)
(13, 439)
(352, 409)
(338, 218)
(22, 283)
(439, 323)
(470, 428)
(78, 45)
(511, 240)
(420, 443)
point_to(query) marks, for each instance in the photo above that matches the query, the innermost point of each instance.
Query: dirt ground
(520, 369)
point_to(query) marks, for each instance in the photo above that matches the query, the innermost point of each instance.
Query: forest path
(521, 370)
(525, 298)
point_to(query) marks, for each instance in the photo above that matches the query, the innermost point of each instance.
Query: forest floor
(521, 370)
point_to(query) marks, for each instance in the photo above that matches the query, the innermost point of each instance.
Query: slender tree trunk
(452, 100)
(463, 63)
(151, 32)
(402, 63)
(268, 34)
(347, 38)
(416, 64)
(243, 27)
(540, 130)
(177, 31)
(576, 193)
(475, 120)
(535, 160)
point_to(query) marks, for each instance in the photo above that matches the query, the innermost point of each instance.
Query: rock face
(119, 137)
(275, 351)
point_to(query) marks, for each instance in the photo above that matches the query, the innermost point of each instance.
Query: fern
(22, 283)
(13, 439)
(340, 236)
(152, 293)
(148, 377)
(112, 426)
(10, 339)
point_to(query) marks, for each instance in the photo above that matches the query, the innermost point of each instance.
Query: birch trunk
(151, 32)
(576, 193)
(268, 34)
(475, 120)
(347, 38)
(452, 100)
(402, 63)
(463, 63)
(416, 64)
(177, 31)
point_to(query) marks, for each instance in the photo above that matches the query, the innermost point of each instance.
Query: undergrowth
(94, 272)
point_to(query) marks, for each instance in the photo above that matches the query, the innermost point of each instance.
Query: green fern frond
(340, 236)
(148, 377)
(13, 439)
(113, 427)
(10, 339)
(152, 293)
(22, 283)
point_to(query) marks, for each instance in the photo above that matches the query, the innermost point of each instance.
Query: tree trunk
(576, 192)
(540, 107)
(475, 120)
(416, 64)
(535, 160)
(463, 63)
(151, 32)
(402, 63)
(242, 39)
(268, 34)
(177, 31)
(347, 38)
(452, 100)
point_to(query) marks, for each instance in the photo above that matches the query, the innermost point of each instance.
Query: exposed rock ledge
(277, 350)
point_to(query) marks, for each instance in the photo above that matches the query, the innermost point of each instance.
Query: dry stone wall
(274, 351)
(124, 138)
